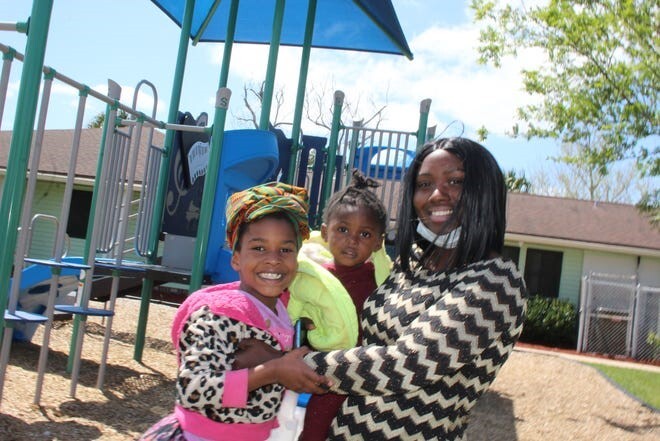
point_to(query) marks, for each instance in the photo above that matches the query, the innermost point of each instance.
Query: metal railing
(382, 155)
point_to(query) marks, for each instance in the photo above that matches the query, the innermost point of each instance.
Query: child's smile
(266, 258)
(271, 276)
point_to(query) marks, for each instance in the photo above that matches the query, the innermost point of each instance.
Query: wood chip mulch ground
(537, 396)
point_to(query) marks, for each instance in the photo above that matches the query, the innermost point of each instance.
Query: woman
(437, 331)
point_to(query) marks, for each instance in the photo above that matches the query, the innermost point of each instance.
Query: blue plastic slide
(249, 157)
(33, 294)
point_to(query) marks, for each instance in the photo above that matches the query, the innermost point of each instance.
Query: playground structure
(124, 235)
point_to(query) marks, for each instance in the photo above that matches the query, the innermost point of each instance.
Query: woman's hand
(291, 372)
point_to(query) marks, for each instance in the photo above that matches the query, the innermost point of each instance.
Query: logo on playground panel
(198, 159)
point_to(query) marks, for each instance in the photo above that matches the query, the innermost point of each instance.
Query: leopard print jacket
(207, 345)
(433, 343)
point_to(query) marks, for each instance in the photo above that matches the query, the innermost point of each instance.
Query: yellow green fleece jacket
(317, 294)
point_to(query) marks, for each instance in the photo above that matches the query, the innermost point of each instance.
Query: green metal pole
(229, 43)
(23, 26)
(163, 178)
(19, 149)
(302, 83)
(215, 155)
(7, 60)
(331, 157)
(210, 183)
(207, 20)
(267, 101)
(424, 108)
(114, 91)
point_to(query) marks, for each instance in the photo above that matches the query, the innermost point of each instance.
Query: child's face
(352, 234)
(266, 260)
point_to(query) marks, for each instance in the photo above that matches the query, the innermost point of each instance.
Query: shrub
(653, 340)
(550, 322)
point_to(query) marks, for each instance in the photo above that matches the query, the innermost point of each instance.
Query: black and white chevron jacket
(433, 343)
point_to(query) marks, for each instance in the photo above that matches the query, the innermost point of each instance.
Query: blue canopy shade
(359, 25)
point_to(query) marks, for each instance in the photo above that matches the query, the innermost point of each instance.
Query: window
(543, 272)
(81, 204)
(512, 253)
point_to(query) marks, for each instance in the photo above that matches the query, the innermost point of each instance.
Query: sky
(131, 40)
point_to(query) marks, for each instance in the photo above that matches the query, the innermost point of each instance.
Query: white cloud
(440, 34)
(444, 69)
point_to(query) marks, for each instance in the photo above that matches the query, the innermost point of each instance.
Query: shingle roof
(578, 220)
(527, 215)
(56, 151)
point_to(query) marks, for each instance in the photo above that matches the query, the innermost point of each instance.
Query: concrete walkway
(587, 358)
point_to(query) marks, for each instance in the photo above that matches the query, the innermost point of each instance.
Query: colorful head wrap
(258, 201)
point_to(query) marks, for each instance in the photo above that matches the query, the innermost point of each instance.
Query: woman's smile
(438, 190)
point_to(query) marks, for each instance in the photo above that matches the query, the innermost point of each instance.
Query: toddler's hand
(308, 323)
(252, 352)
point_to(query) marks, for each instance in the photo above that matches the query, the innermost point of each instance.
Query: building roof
(530, 218)
(573, 220)
(56, 151)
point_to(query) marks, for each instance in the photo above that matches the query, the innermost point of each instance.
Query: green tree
(365, 111)
(650, 206)
(601, 78)
(99, 119)
(572, 175)
(317, 108)
(253, 95)
(517, 183)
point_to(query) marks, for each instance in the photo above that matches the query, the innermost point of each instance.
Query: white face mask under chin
(447, 241)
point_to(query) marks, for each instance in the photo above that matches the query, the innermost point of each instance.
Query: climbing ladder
(109, 241)
(111, 208)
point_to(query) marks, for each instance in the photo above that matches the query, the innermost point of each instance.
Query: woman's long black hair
(481, 207)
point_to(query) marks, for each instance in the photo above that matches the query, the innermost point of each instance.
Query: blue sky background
(131, 40)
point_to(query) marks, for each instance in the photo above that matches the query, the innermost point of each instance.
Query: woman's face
(437, 190)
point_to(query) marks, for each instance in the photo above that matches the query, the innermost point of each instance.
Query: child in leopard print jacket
(215, 399)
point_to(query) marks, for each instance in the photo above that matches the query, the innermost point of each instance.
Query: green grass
(642, 384)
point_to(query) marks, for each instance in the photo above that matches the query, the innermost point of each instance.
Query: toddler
(350, 246)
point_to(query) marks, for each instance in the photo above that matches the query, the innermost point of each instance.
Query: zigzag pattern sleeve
(420, 331)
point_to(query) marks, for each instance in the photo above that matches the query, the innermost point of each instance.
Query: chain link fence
(618, 316)
(646, 332)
